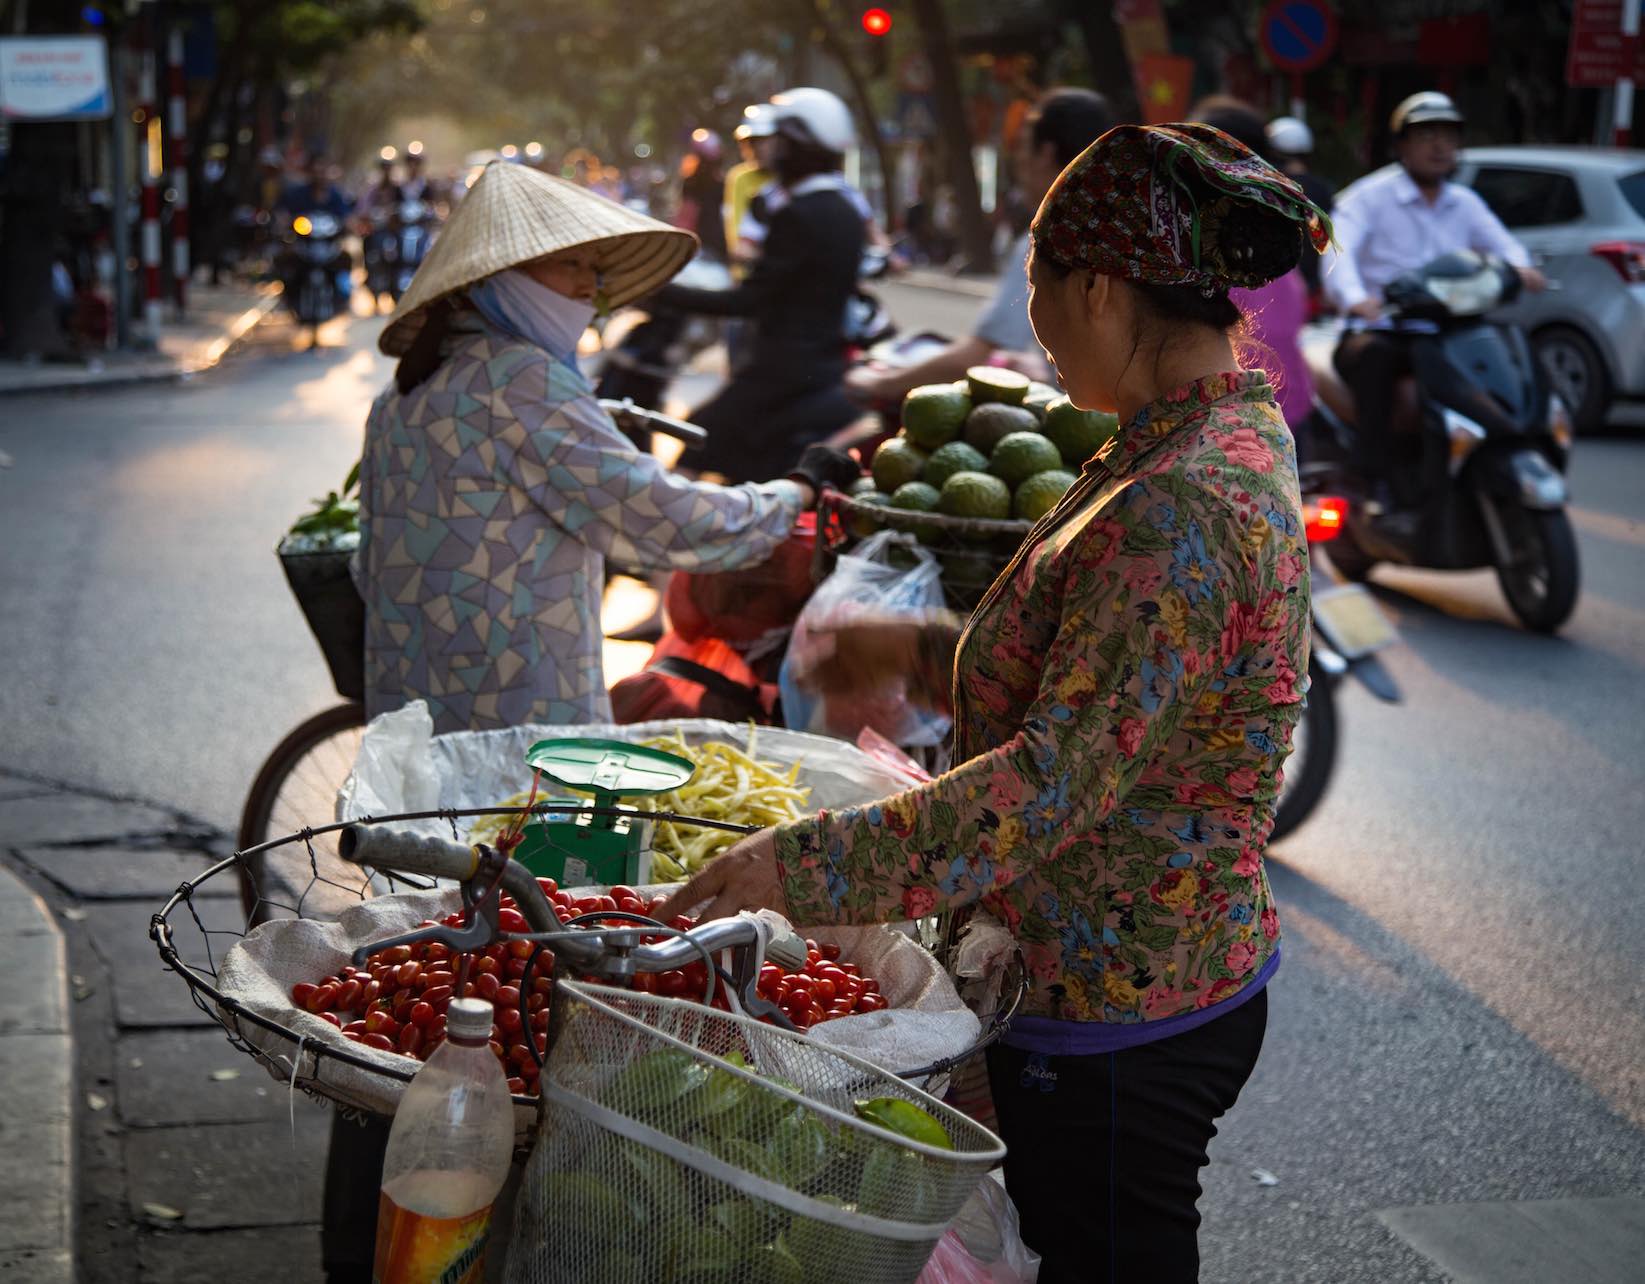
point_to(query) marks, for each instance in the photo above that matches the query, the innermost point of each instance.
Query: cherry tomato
(539, 1021)
(422, 1014)
(302, 994)
(322, 999)
(332, 1017)
(645, 982)
(870, 985)
(824, 990)
(436, 976)
(508, 1020)
(497, 1049)
(830, 951)
(542, 985)
(630, 905)
(406, 973)
(682, 922)
(353, 1036)
(549, 886)
(486, 986)
(514, 969)
(355, 1027)
(486, 965)
(801, 984)
(437, 995)
(536, 1003)
(382, 1023)
(396, 956)
(517, 1086)
(379, 1041)
(511, 920)
(508, 996)
(871, 1003)
(369, 994)
(621, 890)
(348, 996)
(521, 949)
(436, 952)
(411, 1039)
(672, 983)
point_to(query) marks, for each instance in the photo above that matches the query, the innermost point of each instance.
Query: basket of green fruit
(975, 464)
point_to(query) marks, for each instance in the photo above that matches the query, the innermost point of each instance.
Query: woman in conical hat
(493, 487)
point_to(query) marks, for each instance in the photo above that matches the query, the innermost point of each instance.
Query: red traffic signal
(876, 22)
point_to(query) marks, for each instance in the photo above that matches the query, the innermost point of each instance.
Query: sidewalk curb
(161, 369)
(38, 1171)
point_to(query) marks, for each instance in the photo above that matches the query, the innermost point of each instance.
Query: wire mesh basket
(972, 551)
(683, 1143)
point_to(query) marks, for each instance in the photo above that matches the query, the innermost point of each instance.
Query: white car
(1581, 213)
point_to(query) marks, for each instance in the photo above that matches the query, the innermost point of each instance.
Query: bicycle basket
(335, 612)
(679, 1142)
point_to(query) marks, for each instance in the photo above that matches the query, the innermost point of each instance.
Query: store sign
(1599, 54)
(54, 78)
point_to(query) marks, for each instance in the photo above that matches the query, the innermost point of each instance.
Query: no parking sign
(1298, 35)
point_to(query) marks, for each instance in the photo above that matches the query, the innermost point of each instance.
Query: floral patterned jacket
(1124, 699)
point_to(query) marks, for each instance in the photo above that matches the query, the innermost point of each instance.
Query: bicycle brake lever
(482, 927)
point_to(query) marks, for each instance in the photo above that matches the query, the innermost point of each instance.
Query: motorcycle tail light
(1323, 518)
(1626, 257)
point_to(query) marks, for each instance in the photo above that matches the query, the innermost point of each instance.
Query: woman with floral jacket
(1124, 698)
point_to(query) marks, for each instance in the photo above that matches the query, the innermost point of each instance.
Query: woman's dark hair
(796, 161)
(1070, 120)
(422, 358)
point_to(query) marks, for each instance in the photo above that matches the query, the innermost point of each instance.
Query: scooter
(413, 234)
(1350, 629)
(1479, 439)
(315, 276)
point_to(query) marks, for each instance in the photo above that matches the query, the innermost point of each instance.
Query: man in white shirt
(1387, 225)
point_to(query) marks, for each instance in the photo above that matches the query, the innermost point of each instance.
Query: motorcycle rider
(702, 188)
(375, 217)
(786, 389)
(417, 185)
(317, 194)
(1388, 224)
(1062, 125)
(1291, 143)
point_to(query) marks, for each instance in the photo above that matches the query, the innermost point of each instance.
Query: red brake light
(1627, 257)
(1323, 518)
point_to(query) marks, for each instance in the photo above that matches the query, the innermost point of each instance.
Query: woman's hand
(744, 876)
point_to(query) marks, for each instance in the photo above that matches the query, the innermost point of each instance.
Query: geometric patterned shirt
(1124, 698)
(490, 498)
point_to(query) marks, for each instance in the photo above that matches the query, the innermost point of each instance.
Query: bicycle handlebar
(433, 857)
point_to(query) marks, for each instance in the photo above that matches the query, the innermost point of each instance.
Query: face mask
(529, 310)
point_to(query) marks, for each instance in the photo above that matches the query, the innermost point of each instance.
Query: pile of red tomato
(397, 1001)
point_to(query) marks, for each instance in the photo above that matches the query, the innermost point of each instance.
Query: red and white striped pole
(1622, 118)
(177, 149)
(150, 188)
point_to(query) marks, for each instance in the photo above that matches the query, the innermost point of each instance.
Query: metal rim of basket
(228, 1012)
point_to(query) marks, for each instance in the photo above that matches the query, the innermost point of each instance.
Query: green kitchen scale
(577, 849)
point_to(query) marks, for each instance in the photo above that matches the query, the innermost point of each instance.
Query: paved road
(1461, 1017)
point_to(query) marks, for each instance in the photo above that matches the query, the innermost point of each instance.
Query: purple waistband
(1092, 1038)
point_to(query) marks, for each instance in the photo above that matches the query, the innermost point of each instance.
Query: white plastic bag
(984, 1245)
(866, 580)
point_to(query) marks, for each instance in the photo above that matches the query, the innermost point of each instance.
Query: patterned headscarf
(1152, 203)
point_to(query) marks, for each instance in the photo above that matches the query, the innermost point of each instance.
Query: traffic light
(876, 22)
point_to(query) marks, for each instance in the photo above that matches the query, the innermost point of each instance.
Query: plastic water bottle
(448, 1155)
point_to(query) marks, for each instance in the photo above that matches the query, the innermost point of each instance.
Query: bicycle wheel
(297, 787)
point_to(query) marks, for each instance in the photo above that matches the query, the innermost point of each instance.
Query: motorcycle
(1350, 629)
(315, 279)
(414, 233)
(1477, 434)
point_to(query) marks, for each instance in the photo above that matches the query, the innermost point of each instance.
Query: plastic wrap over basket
(682, 1143)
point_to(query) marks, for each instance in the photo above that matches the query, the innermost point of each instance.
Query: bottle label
(415, 1249)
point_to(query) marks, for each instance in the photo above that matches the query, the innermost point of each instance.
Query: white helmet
(814, 117)
(1422, 109)
(1290, 136)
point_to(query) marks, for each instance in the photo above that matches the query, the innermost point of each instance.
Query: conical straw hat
(514, 214)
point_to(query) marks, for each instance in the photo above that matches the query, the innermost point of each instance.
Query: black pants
(1371, 363)
(1104, 1152)
(758, 423)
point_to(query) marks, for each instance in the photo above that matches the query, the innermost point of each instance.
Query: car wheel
(1577, 373)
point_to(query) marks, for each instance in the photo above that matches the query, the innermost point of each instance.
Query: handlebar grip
(407, 853)
(787, 950)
